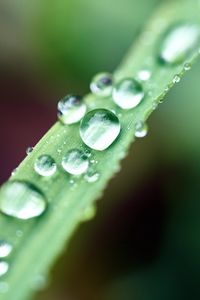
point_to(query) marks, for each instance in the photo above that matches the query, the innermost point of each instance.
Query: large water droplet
(99, 129)
(141, 129)
(75, 162)
(21, 200)
(45, 165)
(71, 109)
(5, 248)
(178, 42)
(128, 93)
(4, 266)
(101, 84)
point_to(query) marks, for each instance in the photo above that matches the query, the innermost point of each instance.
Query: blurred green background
(144, 242)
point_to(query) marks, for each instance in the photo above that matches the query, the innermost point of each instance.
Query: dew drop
(178, 42)
(89, 213)
(5, 248)
(45, 165)
(21, 200)
(14, 172)
(144, 75)
(176, 79)
(141, 130)
(87, 153)
(91, 176)
(154, 105)
(4, 266)
(39, 282)
(102, 84)
(29, 150)
(75, 162)
(19, 233)
(187, 66)
(99, 129)
(128, 93)
(71, 109)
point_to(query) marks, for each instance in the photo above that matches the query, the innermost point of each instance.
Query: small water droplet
(87, 153)
(91, 176)
(101, 84)
(144, 75)
(45, 165)
(29, 150)
(71, 181)
(4, 287)
(39, 282)
(4, 266)
(166, 88)
(5, 248)
(14, 172)
(19, 233)
(187, 66)
(141, 129)
(71, 109)
(21, 200)
(178, 42)
(154, 105)
(89, 213)
(128, 93)
(176, 79)
(75, 162)
(99, 129)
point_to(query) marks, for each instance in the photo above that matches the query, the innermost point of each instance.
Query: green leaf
(38, 242)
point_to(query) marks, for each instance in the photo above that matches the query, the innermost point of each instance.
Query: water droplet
(176, 79)
(71, 181)
(5, 248)
(71, 109)
(75, 162)
(154, 105)
(19, 233)
(14, 172)
(101, 84)
(141, 130)
(128, 93)
(29, 150)
(45, 165)
(144, 75)
(89, 213)
(178, 42)
(187, 66)
(4, 287)
(21, 200)
(91, 176)
(87, 153)
(99, 129)
(4, 266)
(39, 282)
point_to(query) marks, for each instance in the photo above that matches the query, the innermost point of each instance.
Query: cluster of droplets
(5, 250)
(98, 128)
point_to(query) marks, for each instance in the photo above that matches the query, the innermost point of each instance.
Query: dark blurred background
(144, 242)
